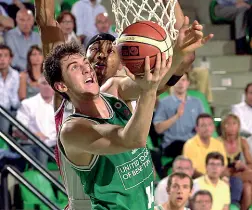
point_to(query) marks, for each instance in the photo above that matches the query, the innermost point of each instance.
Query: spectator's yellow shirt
(196, 151)
(220, 191)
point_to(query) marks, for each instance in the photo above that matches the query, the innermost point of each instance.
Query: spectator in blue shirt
(175, 118)
(21, 38)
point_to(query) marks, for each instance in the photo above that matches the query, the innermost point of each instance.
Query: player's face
(249, 96)
(179, 191)
(214, 168)
(202, 202)
(182, 85)
(79, 77)
(104, 58)
(183, 166)
(205, 127)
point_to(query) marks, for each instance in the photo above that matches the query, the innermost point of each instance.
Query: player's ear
(61, 87)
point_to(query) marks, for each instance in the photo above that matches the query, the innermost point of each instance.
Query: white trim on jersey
(81, 168)
(60, 107)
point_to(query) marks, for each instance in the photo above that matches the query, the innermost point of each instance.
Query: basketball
(141, 39)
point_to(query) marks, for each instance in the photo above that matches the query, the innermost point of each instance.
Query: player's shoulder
(76, 123)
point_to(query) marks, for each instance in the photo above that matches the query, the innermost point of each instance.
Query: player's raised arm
(81, 137)
(51, 34)
(179, 16)
(190, 38)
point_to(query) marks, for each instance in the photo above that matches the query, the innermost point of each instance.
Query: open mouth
(179, 199)
(100, 66)
(89, 80)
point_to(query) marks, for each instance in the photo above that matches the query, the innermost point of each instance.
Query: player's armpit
(82, 138)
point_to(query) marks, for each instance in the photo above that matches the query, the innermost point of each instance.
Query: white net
(160, 11)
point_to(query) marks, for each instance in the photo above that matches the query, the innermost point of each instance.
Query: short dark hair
(181, 175)
(52, 65)
(215, 156)
(247, 87)
(6, 47)
(201, 116)
(202, 192)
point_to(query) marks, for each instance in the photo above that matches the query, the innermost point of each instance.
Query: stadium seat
(214, 18)
(44, 186)
(67, 5)
(3, 144)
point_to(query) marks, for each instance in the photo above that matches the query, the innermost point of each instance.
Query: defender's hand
(191, 38)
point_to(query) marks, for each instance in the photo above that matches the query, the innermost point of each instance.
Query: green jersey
(122, 181)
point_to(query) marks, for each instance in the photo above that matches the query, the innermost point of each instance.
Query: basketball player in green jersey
(101, 142)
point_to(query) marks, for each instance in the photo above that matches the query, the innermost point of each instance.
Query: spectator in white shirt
(180, 164)
(85, 12)
(37, 114)
(244, 111)
(9, 85)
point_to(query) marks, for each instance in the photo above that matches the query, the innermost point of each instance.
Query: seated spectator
(12, 6)
(239, 157)
(180, 164)
(68, 25)
(235, 10)
(21, 38)
(29, 78)
(200, 80)
(6, 23)
(9, 85)
(179, 188)
(175, 118)
(103, 25)
(243, 110)
(202, 200)
(212, 182)
(85, 21)
(41, 123)
(202, 144)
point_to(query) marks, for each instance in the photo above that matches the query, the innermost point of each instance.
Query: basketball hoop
(160, 11)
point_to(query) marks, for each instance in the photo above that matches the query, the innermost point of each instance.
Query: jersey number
(150, 193)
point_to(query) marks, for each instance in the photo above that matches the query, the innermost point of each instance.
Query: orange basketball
(141, 39)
